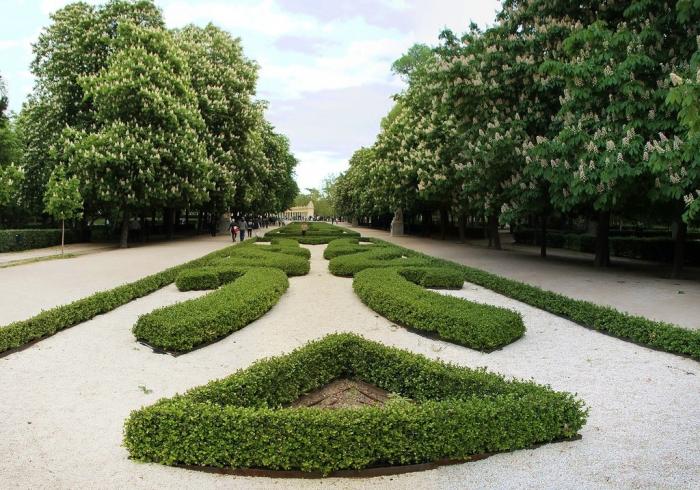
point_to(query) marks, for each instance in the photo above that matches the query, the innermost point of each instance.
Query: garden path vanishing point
(65, 399)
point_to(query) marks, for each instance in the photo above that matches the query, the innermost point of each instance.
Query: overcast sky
(324, 64)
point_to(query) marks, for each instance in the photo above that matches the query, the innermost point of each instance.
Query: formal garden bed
(311, 233)
(348, 258)
(436, 411)
(212, 270)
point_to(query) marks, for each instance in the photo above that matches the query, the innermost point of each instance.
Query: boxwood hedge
(17, 334)
(48, 322)
(16, 240)
(654, 334)
(442, 411)
(316, 234)
(246, 295)
(392, 293)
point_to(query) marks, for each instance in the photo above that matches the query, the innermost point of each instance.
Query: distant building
(300, 212)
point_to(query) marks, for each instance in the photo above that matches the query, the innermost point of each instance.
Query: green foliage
(381, 254)
(657, 335)
(50, 321)
(18, 240)
(248, 254)
(62, 199)
(391, 293)
(241, 421)
(245, 296)
(317, 233)
(654, 249)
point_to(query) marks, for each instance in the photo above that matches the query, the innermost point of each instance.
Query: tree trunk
(124, 237)
(462, 228)
(679, 248)
(199, 221)
(444, 216)
(543, 236)
(494, 236)
(63, 235)
(602, 244)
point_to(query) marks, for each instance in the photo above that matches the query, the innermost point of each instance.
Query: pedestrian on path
(242, 226)
(233, 229)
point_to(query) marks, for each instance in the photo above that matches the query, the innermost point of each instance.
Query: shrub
(317, 233)
(17, 240)
(650, 248)
(190, 324)
(453, 413)
(257, 256)
(392, 293)
(384, 255)
(657, 335)
(49, 322)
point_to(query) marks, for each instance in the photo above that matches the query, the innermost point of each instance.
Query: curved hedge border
(394, 294)
(318, 233)
(453, 413)
(48, 322)
(657, 335)
(286, 256)
(246, 295)
(375, 256)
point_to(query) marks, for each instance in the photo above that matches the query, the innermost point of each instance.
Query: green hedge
(452, 413)
(49, 322)
(381, 254)
(257, 256)
(658, 335)
(653, 249)
(17, 240)
(393, 294)
(318, 233)
(246, 295)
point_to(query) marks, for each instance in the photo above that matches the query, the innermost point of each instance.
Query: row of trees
(146, 119)
(588, 108)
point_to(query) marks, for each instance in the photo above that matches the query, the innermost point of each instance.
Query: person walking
(242, 226)
(233, 229)
(249, 226)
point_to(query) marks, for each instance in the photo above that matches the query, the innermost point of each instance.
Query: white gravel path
(65, 399)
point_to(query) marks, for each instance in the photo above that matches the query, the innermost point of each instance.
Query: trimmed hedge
(453, 413)
(650, 248)
(654, 334)
(257, 256)
(18, 240)
(382, 254)
(49, 322)
(318, 233)
(393, 294)
(246, 296)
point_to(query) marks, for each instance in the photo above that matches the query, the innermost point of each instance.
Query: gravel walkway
(65, 399)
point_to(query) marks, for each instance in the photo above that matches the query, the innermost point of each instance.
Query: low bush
(318, 233)
(658, 335)
(244, 420)
(49, 322)
(246, 295)
(17, 240)
(258, 256)
(392, 293)
(650, 248)
(381, 254)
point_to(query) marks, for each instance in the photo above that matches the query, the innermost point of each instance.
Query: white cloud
(315, 165)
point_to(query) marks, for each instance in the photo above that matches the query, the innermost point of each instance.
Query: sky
(325, 65)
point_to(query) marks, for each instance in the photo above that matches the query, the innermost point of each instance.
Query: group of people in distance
(242, 225)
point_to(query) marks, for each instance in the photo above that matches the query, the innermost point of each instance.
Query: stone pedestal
(397, 223)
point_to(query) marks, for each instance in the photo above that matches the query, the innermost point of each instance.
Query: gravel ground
(65, 399)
